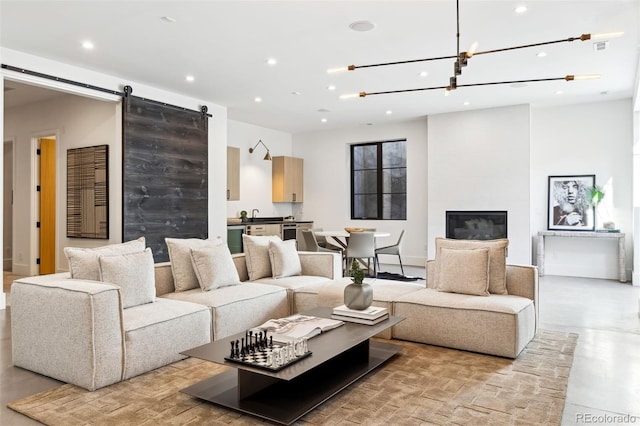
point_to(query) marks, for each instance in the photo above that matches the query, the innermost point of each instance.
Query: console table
(622, 271)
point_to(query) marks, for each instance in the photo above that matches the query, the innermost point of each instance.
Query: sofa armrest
(68, 329)
(430, 270)
(522, 280)
(321, 264)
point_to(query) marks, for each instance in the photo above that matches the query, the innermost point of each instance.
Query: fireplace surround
(476, 225)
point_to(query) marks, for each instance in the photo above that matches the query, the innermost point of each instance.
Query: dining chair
(322, 241)
(361, 245)
(311, 244)
(392, 249)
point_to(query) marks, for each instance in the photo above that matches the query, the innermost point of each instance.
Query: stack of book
(370, 316)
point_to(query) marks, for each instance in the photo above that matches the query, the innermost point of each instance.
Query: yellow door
(47, 206)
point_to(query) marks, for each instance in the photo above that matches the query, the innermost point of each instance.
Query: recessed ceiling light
(324, 110)
(296, 93)
(423, 74)
(520, 9)
(189, 78)
(466, 103)
(541, 54)
(559, 92)
(324, 120)
(88, 45)
(604, 92)
(362, 26)
(271, 61)
(389, 112)
(331, 87)
(169, 19)
(257, 99)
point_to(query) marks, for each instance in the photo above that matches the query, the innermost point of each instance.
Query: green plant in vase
(596, 194)
(356, 273)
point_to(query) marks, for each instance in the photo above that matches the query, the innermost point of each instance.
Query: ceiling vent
(600, 45)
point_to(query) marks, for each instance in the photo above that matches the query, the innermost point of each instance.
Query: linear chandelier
(462, 58)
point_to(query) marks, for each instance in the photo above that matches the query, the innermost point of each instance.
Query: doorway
(47, 204)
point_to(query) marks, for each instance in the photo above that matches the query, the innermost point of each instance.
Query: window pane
(394, 154)
(365, 157)
(394, 206)
(394, 180)
(365, 206)
(364, 182)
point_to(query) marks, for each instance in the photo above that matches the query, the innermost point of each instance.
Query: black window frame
(379, 179)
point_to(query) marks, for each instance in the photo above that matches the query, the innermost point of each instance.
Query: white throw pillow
(83, 262)
(464, 271)
(497, 259)
(134, 273)
(284, 259)
(256, 249)
(214, 267)
(184, 277)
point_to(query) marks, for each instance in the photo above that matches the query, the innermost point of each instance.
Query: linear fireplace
(476, 225)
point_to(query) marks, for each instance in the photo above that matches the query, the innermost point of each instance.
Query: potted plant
(358, 295)
(243, 215)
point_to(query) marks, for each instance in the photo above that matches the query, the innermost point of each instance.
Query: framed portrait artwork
(569, 208)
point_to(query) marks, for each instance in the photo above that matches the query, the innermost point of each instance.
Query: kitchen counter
(268, 222)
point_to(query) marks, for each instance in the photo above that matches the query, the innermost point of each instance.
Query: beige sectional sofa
(78, 331)
(83, 332)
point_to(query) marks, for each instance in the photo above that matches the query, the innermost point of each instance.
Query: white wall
(479, 160)
(255, 173)
(595, 138)
(217, 124)
(327, 177)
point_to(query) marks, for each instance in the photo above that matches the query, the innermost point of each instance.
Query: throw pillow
(184, 277)
(284, 259)
(464, 271)
(214, 267)
(134, 273)
(497, 259)
(83, 262)
(256, 249)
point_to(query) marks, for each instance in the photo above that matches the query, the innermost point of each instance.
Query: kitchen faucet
(253, 213)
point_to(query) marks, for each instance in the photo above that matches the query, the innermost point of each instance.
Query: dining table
(341, 239)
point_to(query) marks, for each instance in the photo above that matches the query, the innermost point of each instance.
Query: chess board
(259, 358)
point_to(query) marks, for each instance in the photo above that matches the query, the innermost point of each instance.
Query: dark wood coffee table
(340, 357)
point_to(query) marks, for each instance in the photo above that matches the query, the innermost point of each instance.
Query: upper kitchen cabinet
(233, 173)
(287, 180)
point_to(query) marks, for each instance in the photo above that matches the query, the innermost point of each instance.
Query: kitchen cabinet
(233, 173)
(287, 180)
(264, 229)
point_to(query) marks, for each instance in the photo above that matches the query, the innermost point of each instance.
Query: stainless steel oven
(288, 231)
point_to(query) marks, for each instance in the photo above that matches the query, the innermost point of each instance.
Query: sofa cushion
(239, 307)
(133, 273)
(464, 271)
(83, 262)
(184, 277)
(497, 260)
(214, 267)
(156, 333)
(256, 249)
(284, 259)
